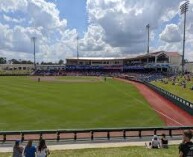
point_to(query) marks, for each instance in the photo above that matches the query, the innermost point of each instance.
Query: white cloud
(123, 22)
(10, 19)
(41, 19)
(93, 39)
(12, 5)
(171, 46)
(116, 28)
(45, 14)
(171, 33)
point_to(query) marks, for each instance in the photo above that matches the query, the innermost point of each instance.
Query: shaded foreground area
(114, 152)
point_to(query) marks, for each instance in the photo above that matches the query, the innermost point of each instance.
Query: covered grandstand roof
(97, 58)
(153, 54)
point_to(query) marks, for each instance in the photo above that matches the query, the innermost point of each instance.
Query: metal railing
(90, 134)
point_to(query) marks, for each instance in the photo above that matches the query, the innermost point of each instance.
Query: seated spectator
(186, 147)
(164, 141)
(42, 150)
(155, 143)
(17, 149)
(30, 150)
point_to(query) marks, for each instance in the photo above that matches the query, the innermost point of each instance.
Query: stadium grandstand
(156, 61)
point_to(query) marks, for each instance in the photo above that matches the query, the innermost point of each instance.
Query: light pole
(184, 9)
(34, 45)
(148, 36)
(77, 48)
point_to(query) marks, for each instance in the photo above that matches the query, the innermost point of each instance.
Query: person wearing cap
(17, 149)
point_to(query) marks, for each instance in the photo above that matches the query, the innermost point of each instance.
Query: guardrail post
(92, 135)
(108, 135)
(139, 133)
(22, 137)
(155, 132)
(75, 136)
(170, 133)
(124, 134)
(4, 137)
(58, 136)
(41, 136)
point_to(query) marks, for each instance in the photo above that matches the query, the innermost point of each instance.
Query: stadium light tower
(148, 36)
(184, 9)
(34, 45)
(77, 48)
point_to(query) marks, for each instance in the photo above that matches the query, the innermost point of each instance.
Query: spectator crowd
(30, 150)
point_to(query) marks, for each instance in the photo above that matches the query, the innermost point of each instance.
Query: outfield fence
(91, 134)
(182, 103)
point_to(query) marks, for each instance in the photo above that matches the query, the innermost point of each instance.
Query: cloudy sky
(105, 27)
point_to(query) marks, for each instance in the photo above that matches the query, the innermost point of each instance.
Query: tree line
(3, 60)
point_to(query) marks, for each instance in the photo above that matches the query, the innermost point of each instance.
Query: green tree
(3, 60)
(61, 62)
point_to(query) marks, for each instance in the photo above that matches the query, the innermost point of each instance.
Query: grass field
(51, 104)
(115, 152)
(185, 93)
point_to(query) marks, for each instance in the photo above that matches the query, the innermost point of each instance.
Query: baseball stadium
(106, 96)
(130, 106)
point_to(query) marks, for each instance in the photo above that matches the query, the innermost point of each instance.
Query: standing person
(186, 147)
(42, 150)
(30, 150)
(17, 149)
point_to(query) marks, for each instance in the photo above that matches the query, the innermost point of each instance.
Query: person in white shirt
(154, 144)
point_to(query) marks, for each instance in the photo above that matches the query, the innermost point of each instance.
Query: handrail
(91, 134)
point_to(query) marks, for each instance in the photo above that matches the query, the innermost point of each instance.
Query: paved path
(90, 145)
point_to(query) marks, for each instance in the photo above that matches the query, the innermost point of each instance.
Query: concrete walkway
(91, 145)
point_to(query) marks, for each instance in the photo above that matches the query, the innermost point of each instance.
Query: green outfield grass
(114, 152)
(29, 105)
(185, 93)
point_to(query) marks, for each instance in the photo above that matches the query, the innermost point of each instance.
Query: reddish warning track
(171, 114)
